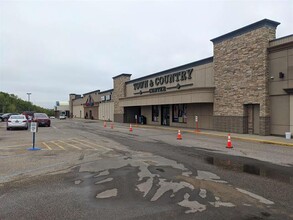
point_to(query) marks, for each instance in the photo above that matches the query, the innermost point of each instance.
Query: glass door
(165, 115)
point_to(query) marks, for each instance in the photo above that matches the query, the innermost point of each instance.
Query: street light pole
(28, 96)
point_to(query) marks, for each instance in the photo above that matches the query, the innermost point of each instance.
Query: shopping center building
(245, 87)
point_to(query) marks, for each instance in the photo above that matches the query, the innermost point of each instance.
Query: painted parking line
(58, 145)
(70, 145)
(46, 145)
(63, 144)
(97, 145)
(79, 142)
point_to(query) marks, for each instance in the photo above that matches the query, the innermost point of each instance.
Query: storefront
(106, 106)
(246, 87)
(173, 97)
(232, 91)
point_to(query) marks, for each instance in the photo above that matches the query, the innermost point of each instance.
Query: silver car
(17, 121)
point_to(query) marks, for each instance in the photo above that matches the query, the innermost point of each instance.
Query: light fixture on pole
(28, 96)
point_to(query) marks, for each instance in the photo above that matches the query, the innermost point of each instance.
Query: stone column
(119, 92)
(241, 76)
(71, 98)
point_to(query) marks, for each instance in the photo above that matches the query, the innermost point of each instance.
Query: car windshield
(17, 117)
(41, 115)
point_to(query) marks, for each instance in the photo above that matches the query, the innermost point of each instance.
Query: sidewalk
(277, 140)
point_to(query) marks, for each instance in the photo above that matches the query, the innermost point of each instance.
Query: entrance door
(130, 112)
(256, 119)
(165, 115)
(253, 111)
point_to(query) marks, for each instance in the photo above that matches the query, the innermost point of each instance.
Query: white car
(62, 117)
(17, 121)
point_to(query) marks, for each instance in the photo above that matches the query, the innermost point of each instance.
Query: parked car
(29, 115)
(52, 117)
(42, 119)
(5, 117)
(17, 121)
(62, 117)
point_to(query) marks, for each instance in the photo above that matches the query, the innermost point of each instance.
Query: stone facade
(233, 124)
(241, 77)
(119, 91)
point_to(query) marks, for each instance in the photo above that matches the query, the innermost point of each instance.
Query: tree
(11, 103)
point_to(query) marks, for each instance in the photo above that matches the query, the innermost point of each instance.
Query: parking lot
(84, 164)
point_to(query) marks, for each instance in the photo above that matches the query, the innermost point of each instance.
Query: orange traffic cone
(112, 125)
(179, 137)
(105, 124)
(130, 128)
(229, 142)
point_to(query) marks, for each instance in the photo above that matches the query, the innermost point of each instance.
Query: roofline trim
(109, 90)
(91, 92)
(185, 66)
(291, 35)
(245, 29)
(123, 74)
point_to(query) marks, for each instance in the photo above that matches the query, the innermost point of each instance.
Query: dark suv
(5, 117)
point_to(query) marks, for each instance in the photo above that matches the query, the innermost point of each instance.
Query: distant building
(92, 105)
(62, 107)
(246, 87)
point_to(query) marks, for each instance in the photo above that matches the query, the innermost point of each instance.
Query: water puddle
(281, 174)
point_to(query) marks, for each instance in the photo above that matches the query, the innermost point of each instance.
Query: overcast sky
(53, 48)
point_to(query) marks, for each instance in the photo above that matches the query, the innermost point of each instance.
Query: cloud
(54, 48)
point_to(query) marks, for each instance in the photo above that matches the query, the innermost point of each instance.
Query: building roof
(96, 91)
(282, 43)
(123, 74)
(109, 90)
(248, 28)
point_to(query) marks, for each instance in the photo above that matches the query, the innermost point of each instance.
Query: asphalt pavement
(87, 171)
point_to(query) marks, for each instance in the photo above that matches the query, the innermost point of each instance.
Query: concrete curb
(234, 136)
(221, 135)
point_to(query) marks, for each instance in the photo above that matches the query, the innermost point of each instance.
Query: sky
(53, 48)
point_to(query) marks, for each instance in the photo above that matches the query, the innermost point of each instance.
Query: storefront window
(155, 113)
(180, 113)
